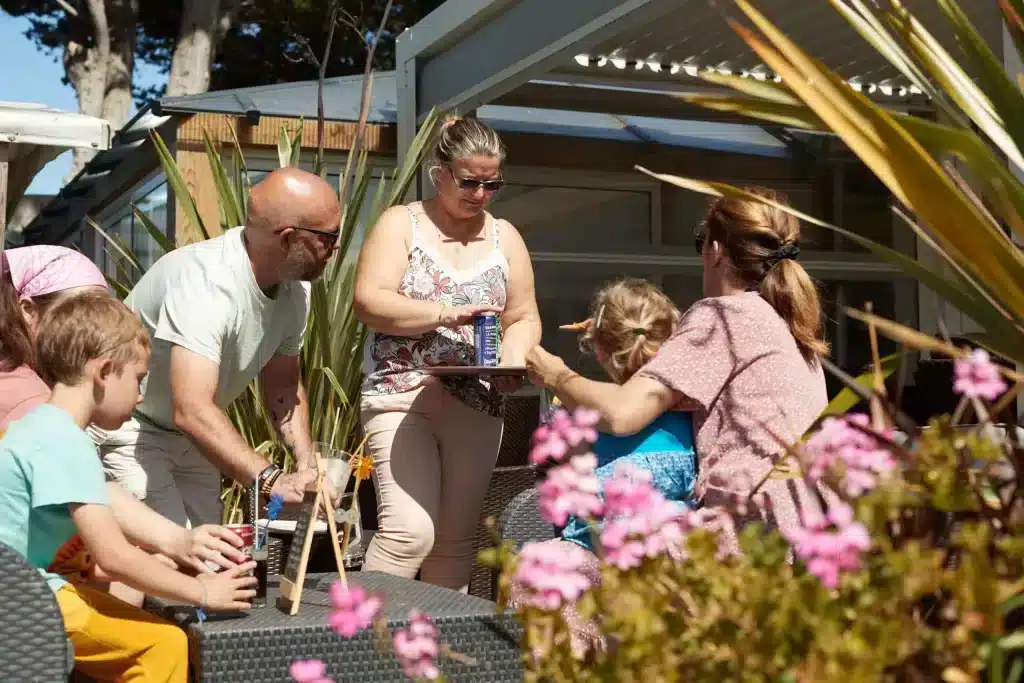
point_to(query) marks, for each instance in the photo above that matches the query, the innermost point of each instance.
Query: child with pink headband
(31, 280)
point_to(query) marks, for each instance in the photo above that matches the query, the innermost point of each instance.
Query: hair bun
(448, 123)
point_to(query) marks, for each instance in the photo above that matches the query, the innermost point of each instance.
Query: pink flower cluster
(551, 574)
(571, 489)
(976, 376)
(641, 523)
(566, 432)
(863, 458)
(353, 609)
(830, 544)
(416, 647)
(309, 671)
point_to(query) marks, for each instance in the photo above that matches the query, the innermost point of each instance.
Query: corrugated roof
(697, 38)
(342, 98)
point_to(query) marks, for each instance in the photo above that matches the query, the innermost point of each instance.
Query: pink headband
(45, 269)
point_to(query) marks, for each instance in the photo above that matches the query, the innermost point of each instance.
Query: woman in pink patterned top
(744, 359)
(424, 272)
(31, 280)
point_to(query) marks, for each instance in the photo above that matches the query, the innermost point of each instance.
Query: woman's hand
(208, 543)
(544, 368)
(457, 316)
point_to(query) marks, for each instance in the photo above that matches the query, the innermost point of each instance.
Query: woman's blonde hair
(460, 137)
(630, 320)
(762, 242)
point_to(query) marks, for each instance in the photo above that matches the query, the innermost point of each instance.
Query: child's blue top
(47, 464)
(665, 448)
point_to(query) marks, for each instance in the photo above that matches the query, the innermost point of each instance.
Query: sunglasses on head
(331, 237)
(473, 183)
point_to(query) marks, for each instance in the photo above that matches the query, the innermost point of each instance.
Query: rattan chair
(35, 646)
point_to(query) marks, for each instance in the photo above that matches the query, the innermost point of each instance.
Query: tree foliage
(268, 41)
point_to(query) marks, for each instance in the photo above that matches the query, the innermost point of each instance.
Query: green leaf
(1000, 89)
(1014, 641)
(284, 149)
(178, 186)
(1016, 670)
(847, 398)
(296, 146)
(161, 239)
(118, 245)
(897, 160)
(230, 203)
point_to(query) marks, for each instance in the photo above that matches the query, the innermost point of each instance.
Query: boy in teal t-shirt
(47, 463)
(54, 509)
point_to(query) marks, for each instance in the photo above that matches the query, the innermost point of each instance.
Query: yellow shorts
(120, 643)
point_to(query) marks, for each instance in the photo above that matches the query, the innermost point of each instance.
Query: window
(118, 220)
(564, 293)
(153, 205)
(572, 219)
(582, 231)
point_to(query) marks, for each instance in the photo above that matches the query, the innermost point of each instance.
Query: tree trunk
(98, 62)
(203, 25)
(117, 99)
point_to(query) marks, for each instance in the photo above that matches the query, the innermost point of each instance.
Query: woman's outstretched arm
(624, 408)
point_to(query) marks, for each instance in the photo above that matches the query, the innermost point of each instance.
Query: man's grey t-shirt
(204, 298)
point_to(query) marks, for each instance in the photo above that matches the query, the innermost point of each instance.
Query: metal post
(5, 149)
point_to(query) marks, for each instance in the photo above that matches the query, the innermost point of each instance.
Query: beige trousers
(165, 470)
(433, 458)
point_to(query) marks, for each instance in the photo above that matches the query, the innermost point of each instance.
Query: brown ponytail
(16, 345)
(761, 243)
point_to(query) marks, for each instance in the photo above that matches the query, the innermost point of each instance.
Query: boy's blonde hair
(630, 320)
(82, 328)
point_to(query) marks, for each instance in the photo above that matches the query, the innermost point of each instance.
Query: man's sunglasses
(331, 236)
(472, 183)
(698, 242)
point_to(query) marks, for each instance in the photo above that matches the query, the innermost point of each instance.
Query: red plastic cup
(247, 533)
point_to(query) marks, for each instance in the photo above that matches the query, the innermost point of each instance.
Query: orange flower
(364, 467)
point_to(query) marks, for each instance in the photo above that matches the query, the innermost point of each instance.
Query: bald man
(220, 313)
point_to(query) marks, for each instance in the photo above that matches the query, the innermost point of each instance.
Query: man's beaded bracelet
(268, 478)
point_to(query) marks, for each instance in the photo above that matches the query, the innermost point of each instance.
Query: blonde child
(630, 320)
(54, 505)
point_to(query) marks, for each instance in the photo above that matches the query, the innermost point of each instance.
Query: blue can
(485, 339)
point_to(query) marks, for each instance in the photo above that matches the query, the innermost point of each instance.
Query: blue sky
(34, 76)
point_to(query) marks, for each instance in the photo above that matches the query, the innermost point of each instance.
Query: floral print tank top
(391, 363)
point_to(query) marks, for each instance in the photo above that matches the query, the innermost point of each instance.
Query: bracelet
(202, 587)
(268, 482)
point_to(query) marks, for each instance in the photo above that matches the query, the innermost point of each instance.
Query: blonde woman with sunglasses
(426, 270)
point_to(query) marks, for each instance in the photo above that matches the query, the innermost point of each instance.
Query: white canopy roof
(32, 135)
(27, 123)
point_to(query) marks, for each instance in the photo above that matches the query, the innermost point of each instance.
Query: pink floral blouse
(391, 362)
(739, 369)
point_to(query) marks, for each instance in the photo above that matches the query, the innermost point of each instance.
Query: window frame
(122, 206)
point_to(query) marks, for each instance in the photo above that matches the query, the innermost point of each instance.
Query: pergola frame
(468, 53)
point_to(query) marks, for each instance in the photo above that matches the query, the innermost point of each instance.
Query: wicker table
(258, 646)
